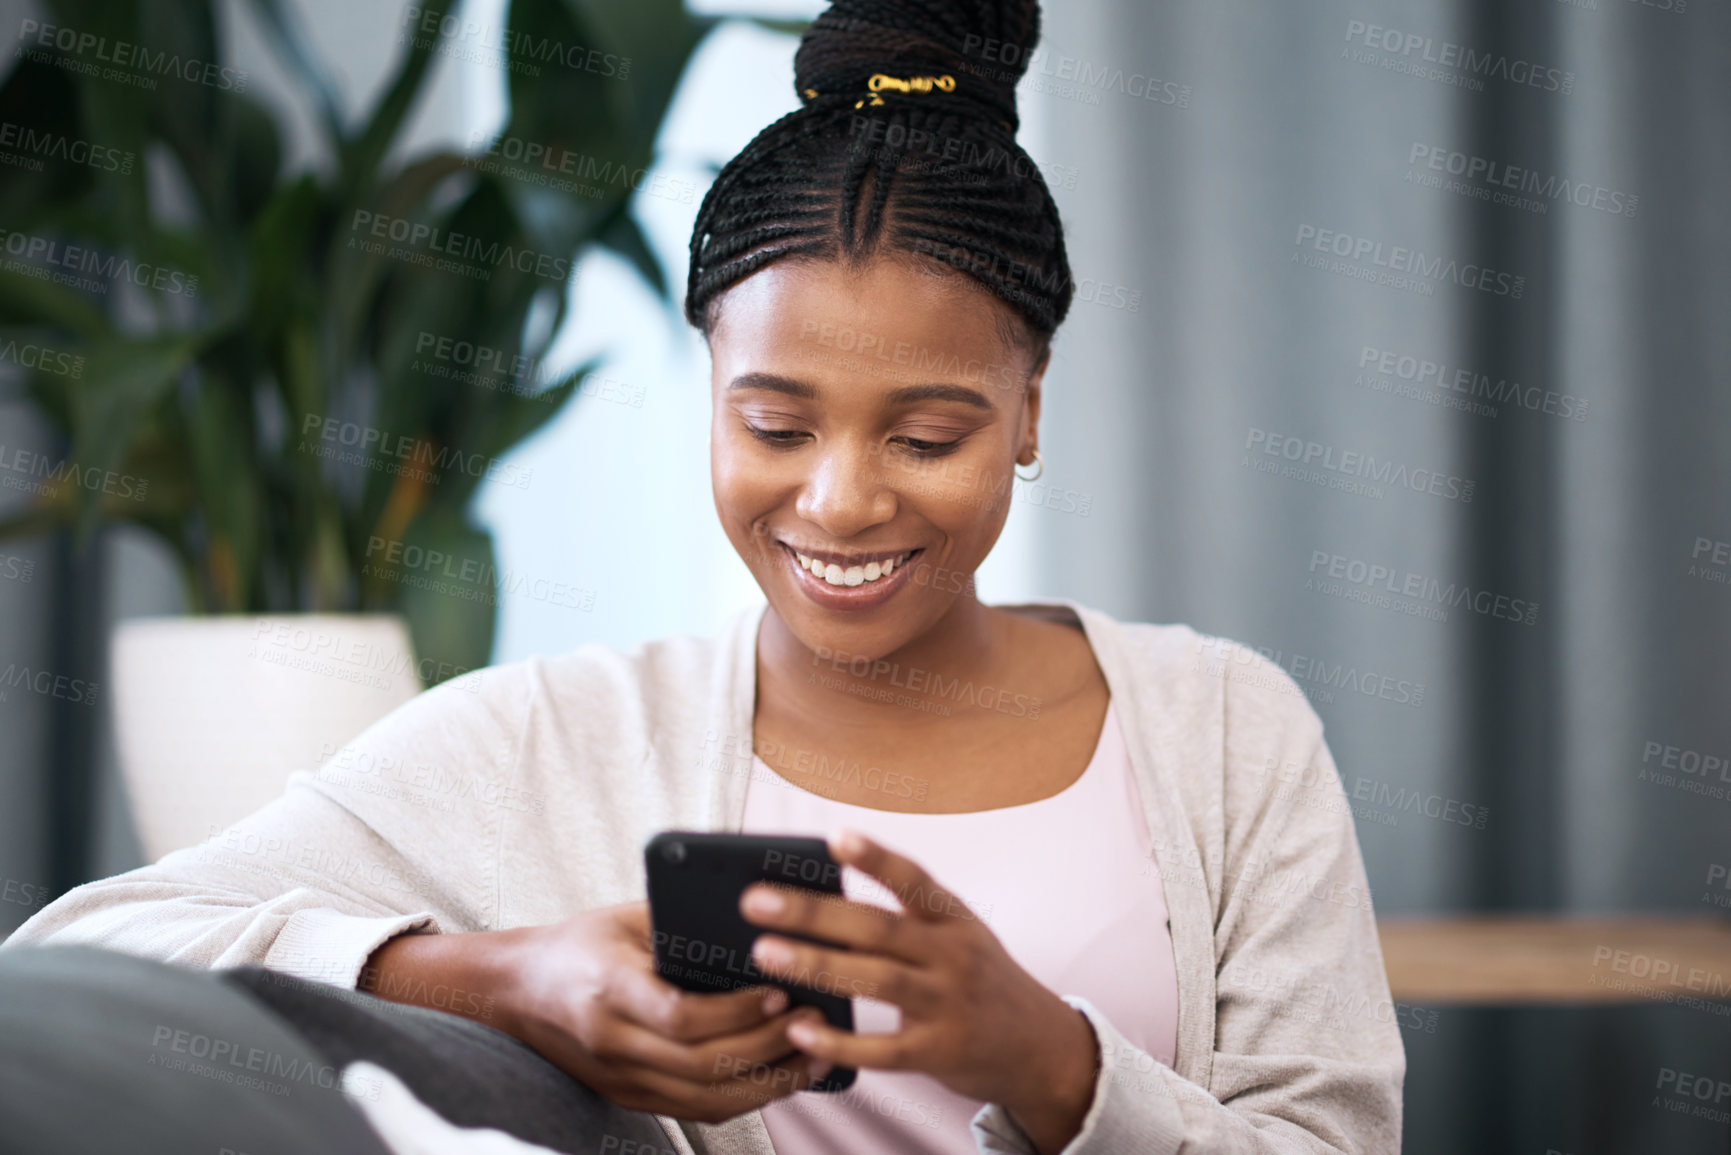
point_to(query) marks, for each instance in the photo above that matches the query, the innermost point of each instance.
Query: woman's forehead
(881, 309)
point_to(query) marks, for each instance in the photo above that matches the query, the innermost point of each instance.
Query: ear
(1029, 438)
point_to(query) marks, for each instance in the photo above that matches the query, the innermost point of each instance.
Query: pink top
(1068, 884)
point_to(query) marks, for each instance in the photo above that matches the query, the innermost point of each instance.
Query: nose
(847, 492)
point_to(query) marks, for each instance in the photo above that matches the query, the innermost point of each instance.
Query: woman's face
(869, 421)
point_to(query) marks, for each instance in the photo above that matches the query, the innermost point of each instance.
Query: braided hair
(933, 173)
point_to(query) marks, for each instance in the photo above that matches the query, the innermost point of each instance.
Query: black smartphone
(702, 942)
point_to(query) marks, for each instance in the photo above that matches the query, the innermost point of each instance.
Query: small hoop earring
(1039, 461)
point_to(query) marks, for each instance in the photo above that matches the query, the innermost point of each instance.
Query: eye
(774, 436)
(930, 448)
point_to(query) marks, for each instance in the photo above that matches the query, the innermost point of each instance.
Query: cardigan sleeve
(1307, 1052)
(394, 833)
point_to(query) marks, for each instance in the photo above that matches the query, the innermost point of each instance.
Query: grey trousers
(103, 1053)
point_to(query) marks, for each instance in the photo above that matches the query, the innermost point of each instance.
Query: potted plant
(292, 378)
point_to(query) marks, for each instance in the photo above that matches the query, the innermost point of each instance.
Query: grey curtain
(1307, 342)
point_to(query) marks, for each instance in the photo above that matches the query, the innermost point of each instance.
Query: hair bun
(984, 44)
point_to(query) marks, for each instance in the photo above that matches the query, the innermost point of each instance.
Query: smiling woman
(1142, 939)
(836, 459)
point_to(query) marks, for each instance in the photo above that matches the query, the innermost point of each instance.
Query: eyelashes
(931, 448)
(788, 438)
(774, 436)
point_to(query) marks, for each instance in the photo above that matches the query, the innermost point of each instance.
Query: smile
(851, 575)
(849, 583)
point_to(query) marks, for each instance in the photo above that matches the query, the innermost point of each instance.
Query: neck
(966, 645)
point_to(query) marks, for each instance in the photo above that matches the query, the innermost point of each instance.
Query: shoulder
(661, 684)
(1240, 744)
(1243, 691)
(1228, 728)
(597, 696)
(558, 742)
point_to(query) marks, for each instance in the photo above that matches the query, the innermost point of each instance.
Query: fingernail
(802, 1033)
(775, 1002)
(820, 1068)
(765, 902)
(771, 953)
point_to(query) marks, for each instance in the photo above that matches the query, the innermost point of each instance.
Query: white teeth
(856, 575)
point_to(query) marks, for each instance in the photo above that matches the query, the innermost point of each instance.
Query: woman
(1088, 916)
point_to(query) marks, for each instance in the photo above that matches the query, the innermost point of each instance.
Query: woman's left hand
(971, 1017)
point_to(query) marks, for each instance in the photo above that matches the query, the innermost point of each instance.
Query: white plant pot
(212, 714)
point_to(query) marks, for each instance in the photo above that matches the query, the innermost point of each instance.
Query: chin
(855, 633)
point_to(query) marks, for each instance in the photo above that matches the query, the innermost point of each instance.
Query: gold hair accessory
(879, 82)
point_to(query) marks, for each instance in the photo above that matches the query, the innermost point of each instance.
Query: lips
(850, 588)
(839, 570)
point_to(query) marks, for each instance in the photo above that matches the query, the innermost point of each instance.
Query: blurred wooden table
(1503, 961)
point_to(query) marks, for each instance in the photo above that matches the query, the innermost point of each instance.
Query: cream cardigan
(523, 794)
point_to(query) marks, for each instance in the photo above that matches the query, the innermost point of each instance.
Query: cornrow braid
(934, 171)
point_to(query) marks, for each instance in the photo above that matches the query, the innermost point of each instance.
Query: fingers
(735, 1091)
(850, 974)
(711, 1059)
(919, 893)
(855, 925)
(635, 917)
(796, 1072)
(891, 1052)
(647, 1044)
(760, 1083)
(645, 998)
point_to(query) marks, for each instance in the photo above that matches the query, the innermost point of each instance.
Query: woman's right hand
(584, 993)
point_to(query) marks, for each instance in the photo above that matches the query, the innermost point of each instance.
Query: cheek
(965, 497)
(745, 493)
(742, 477)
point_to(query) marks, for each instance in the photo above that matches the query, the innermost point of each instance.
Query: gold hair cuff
(910, 84)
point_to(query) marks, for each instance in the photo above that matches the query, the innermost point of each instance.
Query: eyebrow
(905, 395)
(773, 384)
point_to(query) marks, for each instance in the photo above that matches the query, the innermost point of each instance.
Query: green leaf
(658, 38)
(122, 381)
(31, 523)
(561, 62)
(225, 466)
(188, 114)
(43, 99)
(450, 598)
(354, 275)
(159, 456)
(255, 157)
(519, 416)
(362, 157)
(785, 27)
(624, 236)
(283, 237)
(32, 301)
(295, 52)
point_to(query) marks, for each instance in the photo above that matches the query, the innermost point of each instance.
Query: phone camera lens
(674, 852)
